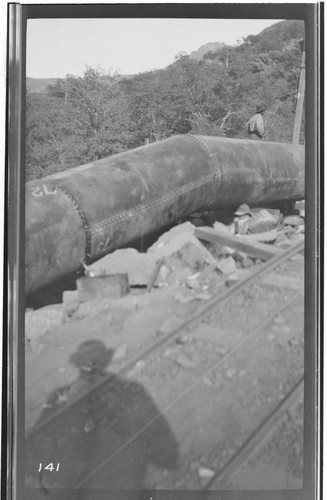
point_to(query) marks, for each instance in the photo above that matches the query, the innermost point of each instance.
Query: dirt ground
(200, 397)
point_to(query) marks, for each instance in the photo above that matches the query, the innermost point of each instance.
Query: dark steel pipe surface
(86, 212)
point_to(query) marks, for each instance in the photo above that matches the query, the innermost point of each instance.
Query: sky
(57, 47)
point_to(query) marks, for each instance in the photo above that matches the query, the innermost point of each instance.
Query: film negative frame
(18, 16)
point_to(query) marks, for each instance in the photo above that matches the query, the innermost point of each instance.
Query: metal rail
(218, 364)
(258, 438)
(107, 383)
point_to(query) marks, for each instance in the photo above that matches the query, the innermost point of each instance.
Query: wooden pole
(299, 103)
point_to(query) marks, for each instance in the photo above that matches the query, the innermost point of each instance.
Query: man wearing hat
(255, 125)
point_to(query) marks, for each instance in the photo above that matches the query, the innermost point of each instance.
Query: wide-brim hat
(92, 354)
(261, 108)
(243, 210)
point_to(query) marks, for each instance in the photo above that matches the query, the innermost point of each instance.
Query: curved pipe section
(89, 211)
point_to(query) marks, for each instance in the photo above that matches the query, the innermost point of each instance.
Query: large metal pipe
(89, 211)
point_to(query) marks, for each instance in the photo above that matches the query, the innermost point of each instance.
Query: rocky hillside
(204, 49)
(76, 120)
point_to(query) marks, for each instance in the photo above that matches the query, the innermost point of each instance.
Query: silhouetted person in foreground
(107, 442)
(256, 127)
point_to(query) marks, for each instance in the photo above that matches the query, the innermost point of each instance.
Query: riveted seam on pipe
(128, 214)
(207, 150)
(83, 219)
(216, 166)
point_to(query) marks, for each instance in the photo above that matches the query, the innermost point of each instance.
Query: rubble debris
(263, 220)
(38, 322)
(109, 286)
(255, 249)
(232, 278)
(229, 229)
(172, 240)
(183, 339)
(227, 265)
(70, 302)
(293, 220)
(154, 275)
(138, 266)
(192, 281)
(273, 211)
(184, 263)
(183, 297)
(257, 220)
(205, 473)
(246, 263)
(181, 238)
(185, 362)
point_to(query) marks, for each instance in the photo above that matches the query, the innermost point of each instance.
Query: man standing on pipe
(256, 127)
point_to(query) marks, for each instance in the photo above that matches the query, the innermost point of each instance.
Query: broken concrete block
(138, 266)
(181, 243)
(109, 286)
(246, 263)
(191, 254)
(293, 220)
(273, 211)
(219, 226)
(227, 266)
(262, 221)
(172, 240)
(178, 275)
(70, 301)
(192, 283)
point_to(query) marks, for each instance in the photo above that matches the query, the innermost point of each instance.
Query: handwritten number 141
(50, 467)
